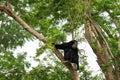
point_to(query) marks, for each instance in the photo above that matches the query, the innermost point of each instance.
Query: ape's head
(74, 44)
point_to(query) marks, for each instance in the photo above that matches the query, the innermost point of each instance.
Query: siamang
(70, 51)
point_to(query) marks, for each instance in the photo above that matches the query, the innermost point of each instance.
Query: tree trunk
(100, 49)
(118, 72)
(8, 11)
(98, 43)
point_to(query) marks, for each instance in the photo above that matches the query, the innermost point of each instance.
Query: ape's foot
(65, 61)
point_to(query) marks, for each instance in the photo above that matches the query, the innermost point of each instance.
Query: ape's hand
(53, 44)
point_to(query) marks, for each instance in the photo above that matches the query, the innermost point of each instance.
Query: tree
(101, 30)
(100, 35)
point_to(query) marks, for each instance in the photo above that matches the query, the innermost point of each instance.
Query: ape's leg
(76, 61)
(78, 66)
(66, 56)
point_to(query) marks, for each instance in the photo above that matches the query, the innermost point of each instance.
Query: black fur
(70, 52)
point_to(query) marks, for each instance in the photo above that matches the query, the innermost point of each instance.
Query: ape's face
(74, 45)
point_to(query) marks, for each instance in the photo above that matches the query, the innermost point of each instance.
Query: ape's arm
(64, 45)
(60, 46)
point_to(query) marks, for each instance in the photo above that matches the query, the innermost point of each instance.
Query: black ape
(70, 51)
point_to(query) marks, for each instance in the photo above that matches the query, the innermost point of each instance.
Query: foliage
(11, 34)
(12, 68)
(49, 73)
(55, 19)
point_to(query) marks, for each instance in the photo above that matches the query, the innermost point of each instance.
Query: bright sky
(29, 47)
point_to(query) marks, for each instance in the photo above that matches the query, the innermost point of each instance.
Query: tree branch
(23, 23)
